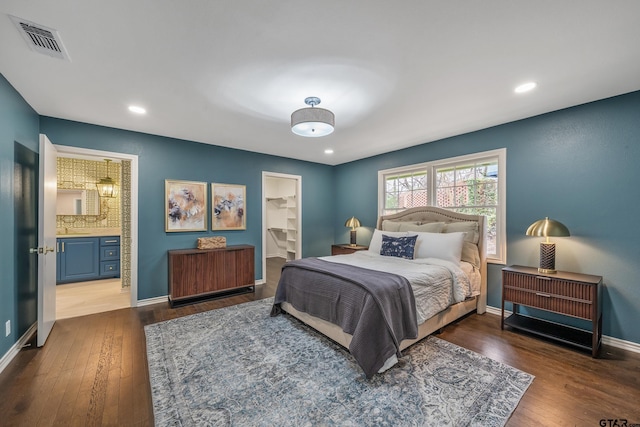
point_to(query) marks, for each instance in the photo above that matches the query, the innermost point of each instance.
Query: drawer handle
(543, 295)
(543, 278)
(110, 241)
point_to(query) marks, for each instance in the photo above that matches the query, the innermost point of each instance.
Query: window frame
(431, 167)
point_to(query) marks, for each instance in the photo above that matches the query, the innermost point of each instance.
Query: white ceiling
(396, 74)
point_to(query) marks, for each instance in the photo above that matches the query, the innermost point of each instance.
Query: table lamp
(353, 223)
(547, 228)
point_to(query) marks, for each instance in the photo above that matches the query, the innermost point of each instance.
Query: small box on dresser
(569, 294)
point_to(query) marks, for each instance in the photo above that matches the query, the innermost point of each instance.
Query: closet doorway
(281, 218)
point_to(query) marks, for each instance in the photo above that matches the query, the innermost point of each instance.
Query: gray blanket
(378, 309)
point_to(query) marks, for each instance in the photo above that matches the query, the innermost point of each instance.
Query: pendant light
(311, 121)
(107, 187)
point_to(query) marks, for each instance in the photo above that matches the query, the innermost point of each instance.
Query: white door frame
(298, 195)
(63, 149)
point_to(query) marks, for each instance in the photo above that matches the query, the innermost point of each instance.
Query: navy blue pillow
(401, 247)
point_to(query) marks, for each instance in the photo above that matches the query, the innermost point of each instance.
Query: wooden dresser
(200, 273)
(346, 249)
(568, 294)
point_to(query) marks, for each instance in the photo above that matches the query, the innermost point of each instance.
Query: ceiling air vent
(41, 39)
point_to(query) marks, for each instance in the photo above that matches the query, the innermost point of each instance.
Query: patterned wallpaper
(83, 174)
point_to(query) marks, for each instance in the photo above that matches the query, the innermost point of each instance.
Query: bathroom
(93, 253)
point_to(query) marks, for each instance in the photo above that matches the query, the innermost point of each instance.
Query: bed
(389, 332)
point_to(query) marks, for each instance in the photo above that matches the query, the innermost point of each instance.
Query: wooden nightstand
(346, 249)
(569, 294)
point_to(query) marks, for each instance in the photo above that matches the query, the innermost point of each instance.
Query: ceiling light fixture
(107, 187)
(137, 110)
(311, 121)
(328, 151)
(526, 87)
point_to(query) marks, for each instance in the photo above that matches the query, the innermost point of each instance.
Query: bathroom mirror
(77, 202)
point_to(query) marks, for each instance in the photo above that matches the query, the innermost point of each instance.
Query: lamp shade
(352, 222)
(548, 228)
(311, 121)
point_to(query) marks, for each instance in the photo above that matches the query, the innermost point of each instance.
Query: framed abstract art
(228, 207)
(186, 206)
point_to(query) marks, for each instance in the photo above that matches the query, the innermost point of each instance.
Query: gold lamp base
(546, 270)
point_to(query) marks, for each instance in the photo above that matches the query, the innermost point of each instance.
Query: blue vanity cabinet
(78, 259)
(87, 258)
(109, 257)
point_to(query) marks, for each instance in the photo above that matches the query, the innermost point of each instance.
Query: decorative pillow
(470, 254)
(388, 225)
(430, 227)
(376, 240)
(470, 229)
(401, 247)
(446, 246)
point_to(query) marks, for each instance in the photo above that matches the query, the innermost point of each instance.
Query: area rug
(236, 366)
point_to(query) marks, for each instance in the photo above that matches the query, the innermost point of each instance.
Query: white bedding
(436, 283)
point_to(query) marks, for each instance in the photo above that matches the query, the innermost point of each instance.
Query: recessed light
(328, 151)
(526, 87)
(137, 110)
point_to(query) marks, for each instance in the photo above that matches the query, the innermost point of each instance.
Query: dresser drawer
(553, 294)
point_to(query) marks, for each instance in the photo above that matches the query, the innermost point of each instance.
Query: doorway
(82, 298)
(281, 218)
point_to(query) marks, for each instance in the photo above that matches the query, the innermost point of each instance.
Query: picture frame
(228, 207)
(185, 206)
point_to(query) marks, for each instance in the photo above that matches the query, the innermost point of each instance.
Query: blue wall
(161, 158)
(18, 123)
(578, 165)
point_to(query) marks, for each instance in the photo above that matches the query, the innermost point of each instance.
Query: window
(474, 184)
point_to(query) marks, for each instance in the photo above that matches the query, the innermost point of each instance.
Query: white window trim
(430, 167)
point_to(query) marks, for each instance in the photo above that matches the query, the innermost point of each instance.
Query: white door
(46, 239)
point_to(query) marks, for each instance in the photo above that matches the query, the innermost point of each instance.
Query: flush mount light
(137, 110)
(526, 87)
(328, 151)
(311, 121)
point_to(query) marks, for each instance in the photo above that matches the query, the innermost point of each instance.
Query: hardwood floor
(93, 371)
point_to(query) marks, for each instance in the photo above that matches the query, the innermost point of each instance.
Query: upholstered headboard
(417, 217)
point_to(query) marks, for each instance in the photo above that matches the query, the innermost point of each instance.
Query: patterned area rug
(238, 366)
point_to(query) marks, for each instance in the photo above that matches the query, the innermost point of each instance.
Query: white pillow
(375, 245)
(446, 246)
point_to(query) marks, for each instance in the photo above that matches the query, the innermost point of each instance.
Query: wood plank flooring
(95, 296)
(93, 371)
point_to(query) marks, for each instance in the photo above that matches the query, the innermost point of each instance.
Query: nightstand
(570, 294)
(346, 249)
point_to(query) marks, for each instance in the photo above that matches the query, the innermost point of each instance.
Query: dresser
(568, 294)
(196, 274)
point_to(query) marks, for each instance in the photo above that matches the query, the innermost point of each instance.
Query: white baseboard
(613, 342)
(13, 351)
(151, 301)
